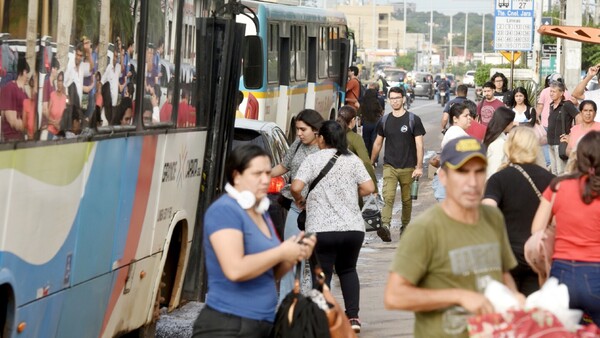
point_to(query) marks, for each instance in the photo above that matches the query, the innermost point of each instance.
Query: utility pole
(404, 35)
(450, 50)
(430, 34)
(483, 39)
(465, 47)
(572, 58)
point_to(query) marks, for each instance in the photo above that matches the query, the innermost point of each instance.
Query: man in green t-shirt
(452, 251)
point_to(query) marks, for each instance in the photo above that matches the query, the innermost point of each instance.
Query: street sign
(513, 25)
(548, 49)
(511, 56)
(546, 20)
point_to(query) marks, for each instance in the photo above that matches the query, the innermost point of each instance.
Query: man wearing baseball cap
(451, 252)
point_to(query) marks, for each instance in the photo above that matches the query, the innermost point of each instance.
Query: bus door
(345, 57)
(282, 118)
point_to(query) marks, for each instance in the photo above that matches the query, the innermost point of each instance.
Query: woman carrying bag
(244, 256)
(574, 201)
(333, 212)
(308, 123)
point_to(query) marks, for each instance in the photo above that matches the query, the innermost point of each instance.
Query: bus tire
(332, 114)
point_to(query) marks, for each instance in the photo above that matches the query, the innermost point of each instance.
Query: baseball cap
(459, 151)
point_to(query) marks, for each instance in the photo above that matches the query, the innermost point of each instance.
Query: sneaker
(384, 233)
(402, 230)
(355, 323)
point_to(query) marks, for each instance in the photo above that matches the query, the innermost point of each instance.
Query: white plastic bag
(554, 297)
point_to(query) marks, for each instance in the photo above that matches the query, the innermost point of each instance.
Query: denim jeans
(557, 165)
(212, 323)
(439, 191)
(286, 284)
(583, 281)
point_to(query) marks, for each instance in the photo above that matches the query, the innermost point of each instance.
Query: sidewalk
(373, 264)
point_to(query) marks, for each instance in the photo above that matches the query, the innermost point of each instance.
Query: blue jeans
(583, 281)
(439, 191)
(286, 284)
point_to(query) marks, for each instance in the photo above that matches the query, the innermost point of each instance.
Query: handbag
(316, 315)
(539, 247)
(562, 146)
(434, 161)
(301, 220)
(541, 133)
(371, 213)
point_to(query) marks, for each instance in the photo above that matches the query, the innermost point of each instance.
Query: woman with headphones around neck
(244, 256)
(308, 122)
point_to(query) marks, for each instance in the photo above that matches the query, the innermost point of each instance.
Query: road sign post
(513, 25)
(513, 29)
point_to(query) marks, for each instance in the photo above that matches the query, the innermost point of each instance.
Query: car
(394, 76)
(270, 137)
(469, 79)
(423, 84)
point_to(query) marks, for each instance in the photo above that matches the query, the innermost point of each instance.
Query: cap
(459, 151)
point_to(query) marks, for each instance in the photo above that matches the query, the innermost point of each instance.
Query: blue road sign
(513, 25)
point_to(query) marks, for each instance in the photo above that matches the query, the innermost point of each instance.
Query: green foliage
(405, 61)
(482, 74)
(531, 88)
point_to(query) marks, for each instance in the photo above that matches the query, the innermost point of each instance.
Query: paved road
(373, 263)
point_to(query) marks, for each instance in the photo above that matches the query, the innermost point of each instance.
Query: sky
(455, 6)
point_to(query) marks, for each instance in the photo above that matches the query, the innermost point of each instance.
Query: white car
(469, 78)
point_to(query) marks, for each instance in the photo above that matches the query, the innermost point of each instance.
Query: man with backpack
(403, 158)
(353, 87)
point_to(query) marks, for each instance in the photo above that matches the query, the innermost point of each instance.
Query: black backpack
(362, 90)
(443, 85)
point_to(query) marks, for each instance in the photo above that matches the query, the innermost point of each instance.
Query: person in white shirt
(111, 76)
(77, 70)
(495, 137)
(581, 94)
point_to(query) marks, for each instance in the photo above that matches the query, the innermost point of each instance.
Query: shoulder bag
(302, 216)
(371, 213)
(316, 315)
(562, 146)
(285, 202)
(539, 248)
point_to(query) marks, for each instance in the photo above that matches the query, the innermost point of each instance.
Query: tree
(405, 61)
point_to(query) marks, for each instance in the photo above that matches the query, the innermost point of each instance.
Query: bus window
(301, 53)
(253, 57)
(334, 47)
(187, 107)
(323, 52)
(293, 48)
(273, 54)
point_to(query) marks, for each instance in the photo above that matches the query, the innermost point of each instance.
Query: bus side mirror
(253, 62)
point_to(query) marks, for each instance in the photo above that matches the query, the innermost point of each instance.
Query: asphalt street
(374, 259)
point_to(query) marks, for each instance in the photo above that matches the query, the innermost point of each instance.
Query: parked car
(270, 137)
(469, 79)
(423, 84)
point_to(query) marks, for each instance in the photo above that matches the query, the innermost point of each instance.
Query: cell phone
(306, 235)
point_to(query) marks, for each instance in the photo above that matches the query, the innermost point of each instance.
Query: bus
(305, 56)
(101, 222)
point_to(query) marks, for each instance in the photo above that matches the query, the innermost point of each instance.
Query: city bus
(306, 53)
(100, 223)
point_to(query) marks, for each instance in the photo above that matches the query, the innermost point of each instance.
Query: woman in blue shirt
(244, 256)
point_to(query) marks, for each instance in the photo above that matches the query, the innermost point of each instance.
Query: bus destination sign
(513, 25)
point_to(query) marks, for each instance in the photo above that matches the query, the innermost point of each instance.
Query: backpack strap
(411, 122)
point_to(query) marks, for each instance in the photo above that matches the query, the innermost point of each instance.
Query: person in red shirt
(167, 109)
(11, 104)
(489, 104)
(574, 202)
(186, 114)
(353, 87)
